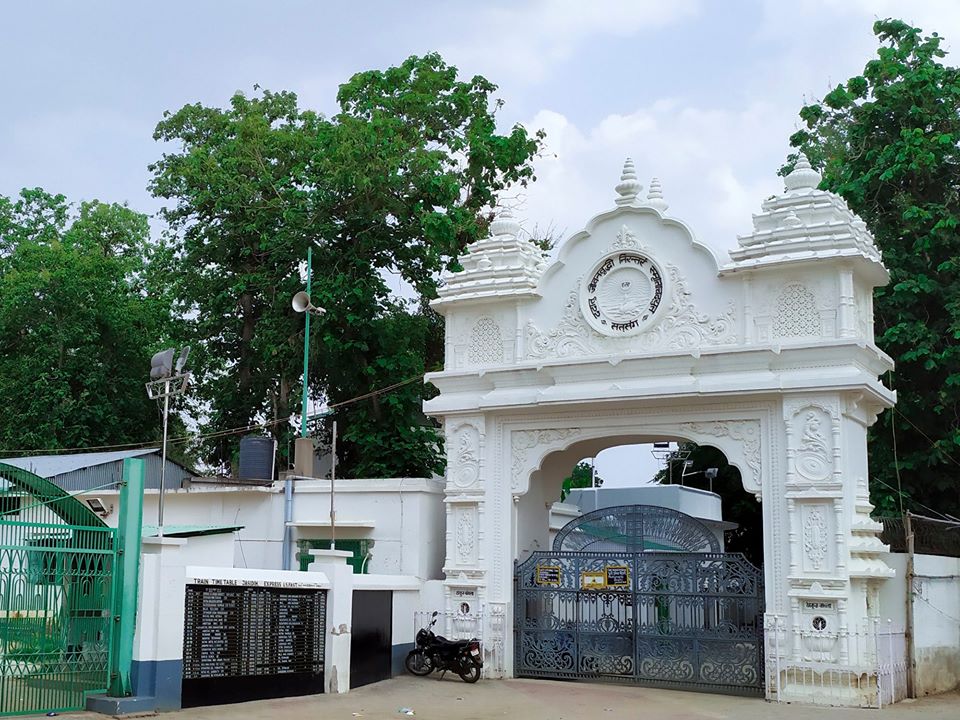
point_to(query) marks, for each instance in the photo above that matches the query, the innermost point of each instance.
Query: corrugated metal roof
(190, 530)
(48, 466)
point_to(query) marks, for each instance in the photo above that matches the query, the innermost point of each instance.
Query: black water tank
(256, 458)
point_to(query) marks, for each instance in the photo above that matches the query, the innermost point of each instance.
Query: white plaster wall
(213, 550)
(936, 612)
(259, 510)
(560, 515)
(937, 623)
(432, 596)
(893, 594)
(407, 516)
(160, 607)
(692, 501)
(533, 518)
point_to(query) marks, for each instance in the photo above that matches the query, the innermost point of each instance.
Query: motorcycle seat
(443, 641)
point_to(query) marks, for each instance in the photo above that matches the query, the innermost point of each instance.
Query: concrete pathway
(452, 699)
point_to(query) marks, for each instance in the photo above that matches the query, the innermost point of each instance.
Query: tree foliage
(77, 325)
(395, 184)
(737, 505)
(889, 143)
(580, 477)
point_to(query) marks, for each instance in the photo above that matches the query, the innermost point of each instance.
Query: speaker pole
(306, 352)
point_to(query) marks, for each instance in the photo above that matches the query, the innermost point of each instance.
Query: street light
(167, 379)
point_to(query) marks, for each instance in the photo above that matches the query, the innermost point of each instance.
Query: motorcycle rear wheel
(417, 663)
(470, 673)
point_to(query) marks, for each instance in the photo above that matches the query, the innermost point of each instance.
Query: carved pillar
(840, 535)
(792, 538)
(847, 308)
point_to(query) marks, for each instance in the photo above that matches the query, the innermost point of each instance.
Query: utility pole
(306, 348)
(333, 480)
(909, 634)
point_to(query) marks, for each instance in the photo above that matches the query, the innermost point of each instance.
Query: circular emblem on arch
(622, 293)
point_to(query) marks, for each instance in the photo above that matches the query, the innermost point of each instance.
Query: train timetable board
(243, 643)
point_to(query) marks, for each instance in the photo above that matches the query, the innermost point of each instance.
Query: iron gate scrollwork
(672, 619)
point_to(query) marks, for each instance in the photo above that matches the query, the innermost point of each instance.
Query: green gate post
(127, 575)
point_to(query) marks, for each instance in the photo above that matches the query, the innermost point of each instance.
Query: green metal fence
(57, 604)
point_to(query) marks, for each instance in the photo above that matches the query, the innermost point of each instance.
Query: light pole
(167, 379)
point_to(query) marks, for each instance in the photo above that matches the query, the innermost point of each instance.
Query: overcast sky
(701, 94)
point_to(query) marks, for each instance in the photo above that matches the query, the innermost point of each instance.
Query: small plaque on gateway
(547, 575)
(617, 576)
(593, 580)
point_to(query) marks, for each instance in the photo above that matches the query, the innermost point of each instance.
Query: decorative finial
(628, 188)
(504, 224)
(655, 196)
(803, 177)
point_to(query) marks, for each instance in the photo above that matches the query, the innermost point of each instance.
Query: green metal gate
(57, 597)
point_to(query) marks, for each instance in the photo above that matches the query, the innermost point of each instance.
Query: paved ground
(451, 699)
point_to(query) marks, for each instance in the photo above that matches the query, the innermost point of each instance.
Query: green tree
(394, 184)
(889, 143)
(77, 326)
(737, 506)
(581, 476)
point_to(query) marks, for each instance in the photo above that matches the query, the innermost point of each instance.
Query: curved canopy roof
(635, 528)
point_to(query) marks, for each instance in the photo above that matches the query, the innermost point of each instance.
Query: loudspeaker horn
(301, 303)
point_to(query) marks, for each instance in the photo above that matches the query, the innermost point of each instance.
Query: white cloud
(716, 165)
(524, 40)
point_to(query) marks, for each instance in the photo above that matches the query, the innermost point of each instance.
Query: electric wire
(40, 503)
(915, 501)
(211, 435)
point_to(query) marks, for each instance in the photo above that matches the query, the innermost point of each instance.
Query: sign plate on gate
(617, 576)
(547, 575)
(593, 580)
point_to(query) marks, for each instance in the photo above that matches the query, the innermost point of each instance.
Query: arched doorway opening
(641, 593)
(676, 478)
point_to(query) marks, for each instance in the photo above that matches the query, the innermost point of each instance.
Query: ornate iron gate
(57, 597)
(686, 620)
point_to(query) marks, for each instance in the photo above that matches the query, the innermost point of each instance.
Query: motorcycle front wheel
(470, 673)
(417, 663)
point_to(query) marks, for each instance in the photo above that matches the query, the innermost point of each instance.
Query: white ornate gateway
(638, 332)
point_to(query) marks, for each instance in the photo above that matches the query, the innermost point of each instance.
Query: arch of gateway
(639, 332)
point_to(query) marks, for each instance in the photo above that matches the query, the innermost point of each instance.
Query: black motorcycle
(434, 652)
